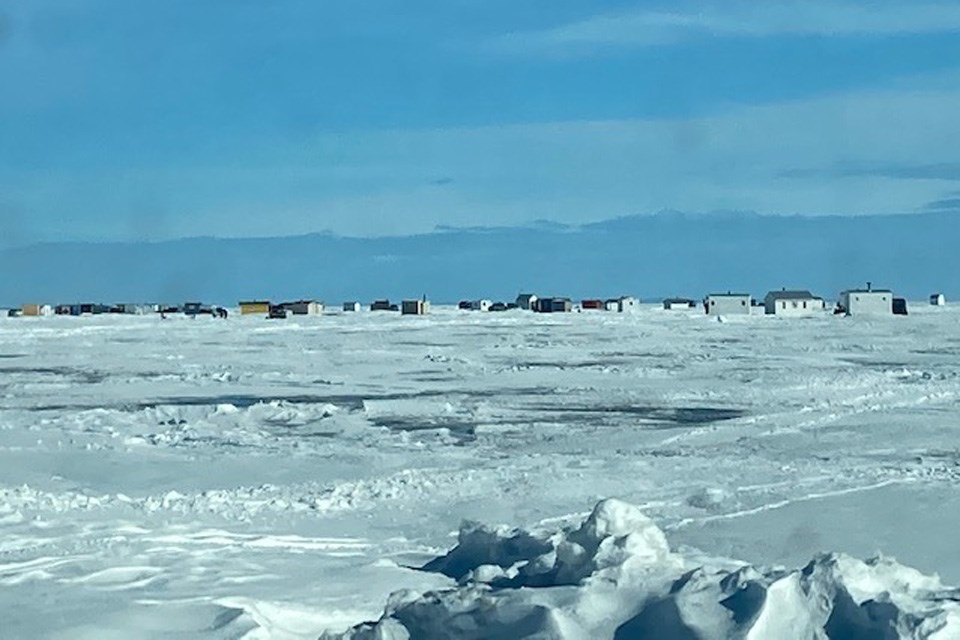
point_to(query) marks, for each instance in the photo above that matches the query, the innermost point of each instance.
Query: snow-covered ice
(246, 478)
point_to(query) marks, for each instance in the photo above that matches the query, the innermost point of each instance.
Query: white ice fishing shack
(869, 301)
(792, 303)
(727, 304)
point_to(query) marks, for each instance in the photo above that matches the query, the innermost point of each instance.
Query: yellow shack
(36, 310)
(254, 307)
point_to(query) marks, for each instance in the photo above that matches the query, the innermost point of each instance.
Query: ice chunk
(615, 577)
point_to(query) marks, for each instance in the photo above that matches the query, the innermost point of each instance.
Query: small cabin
(132, 309)
(867, 301)
(351, 307)
(938, 300)
(553, 305)
(304, 307)
(678, 304)
(255, 307)
(465, 305)
(592, 305)
(88, 309)
(526, 301)
(622, 304)
(792, 303)
(415, 307)
(727, 304)
(36, 310)
(383, 305)
(480, 305)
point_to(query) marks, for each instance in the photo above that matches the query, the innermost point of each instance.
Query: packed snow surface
(667, 475)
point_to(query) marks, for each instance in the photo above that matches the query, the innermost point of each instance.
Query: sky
(141, 121)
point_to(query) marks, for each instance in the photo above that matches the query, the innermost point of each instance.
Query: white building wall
(794, 308)
(628, 303)
(867, 302)
(728, 305)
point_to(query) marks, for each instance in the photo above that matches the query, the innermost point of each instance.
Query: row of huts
(785, 302)
(86, 309)
(532, 302)
(316, 308)
(282, 309)
(525, 301)
(96, 309)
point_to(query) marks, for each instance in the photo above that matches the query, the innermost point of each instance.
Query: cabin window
(783, 305)
(743, 303)
(713, 303)
(804, 304)
(794, 304)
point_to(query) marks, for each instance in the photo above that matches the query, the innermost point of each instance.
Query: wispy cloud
(897, 171)
(740, 19)
(945, 204)
(867, 151)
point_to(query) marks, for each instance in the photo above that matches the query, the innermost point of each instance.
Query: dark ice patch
(464, 430)
(353, 402)
(672, 416)
(71, 374)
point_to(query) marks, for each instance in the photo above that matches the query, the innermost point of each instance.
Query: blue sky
(143, 121)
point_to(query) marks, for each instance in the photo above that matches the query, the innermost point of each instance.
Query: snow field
(244, 478)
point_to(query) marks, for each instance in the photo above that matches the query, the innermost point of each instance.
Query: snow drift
(616, 577)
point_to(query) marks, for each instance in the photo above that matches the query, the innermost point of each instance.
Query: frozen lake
(195, 478)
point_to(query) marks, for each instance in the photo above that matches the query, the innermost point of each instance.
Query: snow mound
(615, 577)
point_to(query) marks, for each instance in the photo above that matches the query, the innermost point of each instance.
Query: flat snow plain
(274, 479)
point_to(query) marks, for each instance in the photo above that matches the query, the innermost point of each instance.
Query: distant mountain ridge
(651, 256)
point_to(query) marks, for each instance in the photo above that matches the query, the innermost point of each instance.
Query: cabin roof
(796, 294)
(868, 291)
